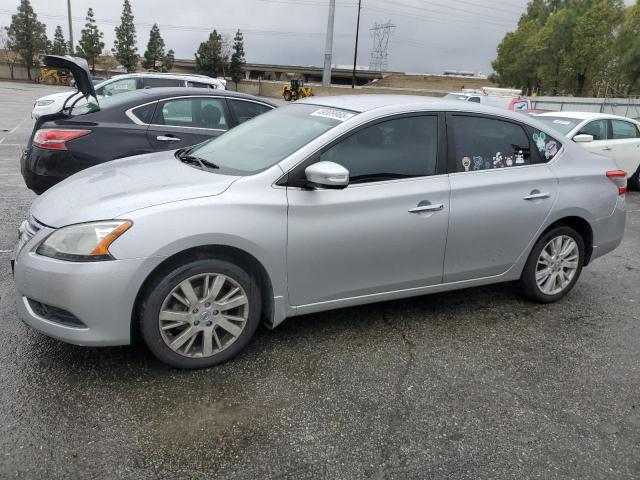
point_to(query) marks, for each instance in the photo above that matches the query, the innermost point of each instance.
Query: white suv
(124, 83)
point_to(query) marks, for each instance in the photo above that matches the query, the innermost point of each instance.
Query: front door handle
(536, 196)
(607, 149)
(427, 208)
(167, 138)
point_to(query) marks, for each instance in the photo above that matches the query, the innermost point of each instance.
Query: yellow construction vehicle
(296, 90)
(54, 76)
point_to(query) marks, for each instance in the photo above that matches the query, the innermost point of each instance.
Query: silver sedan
(326, 203)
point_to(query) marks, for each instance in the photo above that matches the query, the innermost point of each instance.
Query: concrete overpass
(254, 71)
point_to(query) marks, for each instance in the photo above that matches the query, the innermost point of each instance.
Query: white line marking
(6, 251)
(11, 144)
(9, 174)
(18, 125)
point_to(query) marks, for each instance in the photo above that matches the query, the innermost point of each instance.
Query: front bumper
(100, 294)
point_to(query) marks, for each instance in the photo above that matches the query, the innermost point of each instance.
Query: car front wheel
(554, 265)
(200, 314)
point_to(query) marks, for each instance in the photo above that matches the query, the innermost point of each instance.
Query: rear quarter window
(547, 146)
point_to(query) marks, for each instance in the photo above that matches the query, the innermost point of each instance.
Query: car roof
(366, 102)
(583, 115)
(147, 95)
(177, 76)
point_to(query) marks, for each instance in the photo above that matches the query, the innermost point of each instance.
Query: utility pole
(328, 48)
(355, 53)
(70, 27)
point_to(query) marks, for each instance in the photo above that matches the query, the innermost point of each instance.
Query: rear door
(501, 193)
(185, 121)
(625, 145)
(599, 130)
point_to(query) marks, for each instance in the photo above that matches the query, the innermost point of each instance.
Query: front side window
(244, 110)
(117, 87)
(399, 148)
(599, 129)
(482, 143)
(192, 113)
(270, 138)
(621, 130)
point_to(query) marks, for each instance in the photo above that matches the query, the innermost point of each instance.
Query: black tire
(163, 285)
(287, 96)
(634, 181)
(528, 284)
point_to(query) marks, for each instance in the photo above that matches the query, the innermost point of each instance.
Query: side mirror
(327, 175)
(583, 138)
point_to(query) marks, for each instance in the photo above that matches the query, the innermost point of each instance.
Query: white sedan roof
(582, 115)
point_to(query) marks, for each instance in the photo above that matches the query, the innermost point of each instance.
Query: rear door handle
(427, 208)
(167, 138)
(536, 196)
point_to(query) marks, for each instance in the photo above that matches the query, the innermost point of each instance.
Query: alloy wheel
(203, 315)
(557, 265)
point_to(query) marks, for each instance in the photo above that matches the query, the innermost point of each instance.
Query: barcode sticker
(333, 114)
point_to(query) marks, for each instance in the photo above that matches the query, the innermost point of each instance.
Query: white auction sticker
(333, 114)
(562, 122)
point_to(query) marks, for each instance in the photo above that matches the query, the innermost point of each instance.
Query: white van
(508, 98)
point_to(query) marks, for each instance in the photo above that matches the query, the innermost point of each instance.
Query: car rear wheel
(554, 265)
(200, 314)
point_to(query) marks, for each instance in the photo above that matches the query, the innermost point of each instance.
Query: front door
(501, 193)
(386, 231)
(186, 121)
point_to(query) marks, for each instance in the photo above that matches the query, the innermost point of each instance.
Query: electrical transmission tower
(379, 61)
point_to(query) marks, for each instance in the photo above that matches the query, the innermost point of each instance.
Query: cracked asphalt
(472, 384)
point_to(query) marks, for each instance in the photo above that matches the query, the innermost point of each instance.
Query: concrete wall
(273, 89)
(627, 107)
(19, 72)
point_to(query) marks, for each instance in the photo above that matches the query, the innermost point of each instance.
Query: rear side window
(398, 148)
(247, 110)
(162, 82)
(547, 146)
(474, 99)
(198, 85)
(482, 143)
(622, 129)
(145, 113)
(192, 113)
(599, 129)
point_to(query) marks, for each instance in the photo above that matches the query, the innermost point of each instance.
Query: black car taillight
(52, 139)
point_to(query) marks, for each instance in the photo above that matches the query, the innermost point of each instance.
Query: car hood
(115, 188)
(59, 95)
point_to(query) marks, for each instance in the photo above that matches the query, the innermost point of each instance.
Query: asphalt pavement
(472, 384)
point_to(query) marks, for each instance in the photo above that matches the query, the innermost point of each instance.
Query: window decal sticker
(466, 163)
(541, 141)
(498, 161)
(333, 114)
(551, 149)
(477, 163)
(520, 158)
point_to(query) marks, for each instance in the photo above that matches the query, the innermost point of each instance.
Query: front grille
(28, 230)
(55, 314)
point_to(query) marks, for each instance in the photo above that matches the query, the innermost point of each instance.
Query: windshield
(269, 138)
(83, 107)
(561, 124)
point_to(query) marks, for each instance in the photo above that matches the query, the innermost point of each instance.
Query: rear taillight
(52, 139)
(619, 177)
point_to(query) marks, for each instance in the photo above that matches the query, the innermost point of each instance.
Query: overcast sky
(430, 35)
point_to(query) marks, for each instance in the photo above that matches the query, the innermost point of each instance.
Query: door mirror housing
(583, 138)
(327, 175)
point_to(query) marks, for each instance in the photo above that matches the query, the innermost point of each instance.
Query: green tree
(59, 45)
(124, 46)
(154, 54)
(592, 58)
(90, 45)
(236, 68)
(168, 61)
(516, 64)
(26, 35)
(629, 48)
(209, 55)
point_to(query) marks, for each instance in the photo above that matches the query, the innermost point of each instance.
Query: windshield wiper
(184, 155)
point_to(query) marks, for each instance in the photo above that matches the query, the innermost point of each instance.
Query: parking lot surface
(472, 384)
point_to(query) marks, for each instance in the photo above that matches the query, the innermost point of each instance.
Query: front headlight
(44, 103)
(85, 242)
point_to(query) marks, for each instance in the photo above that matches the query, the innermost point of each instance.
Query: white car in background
(55, 102)
(610, 135)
